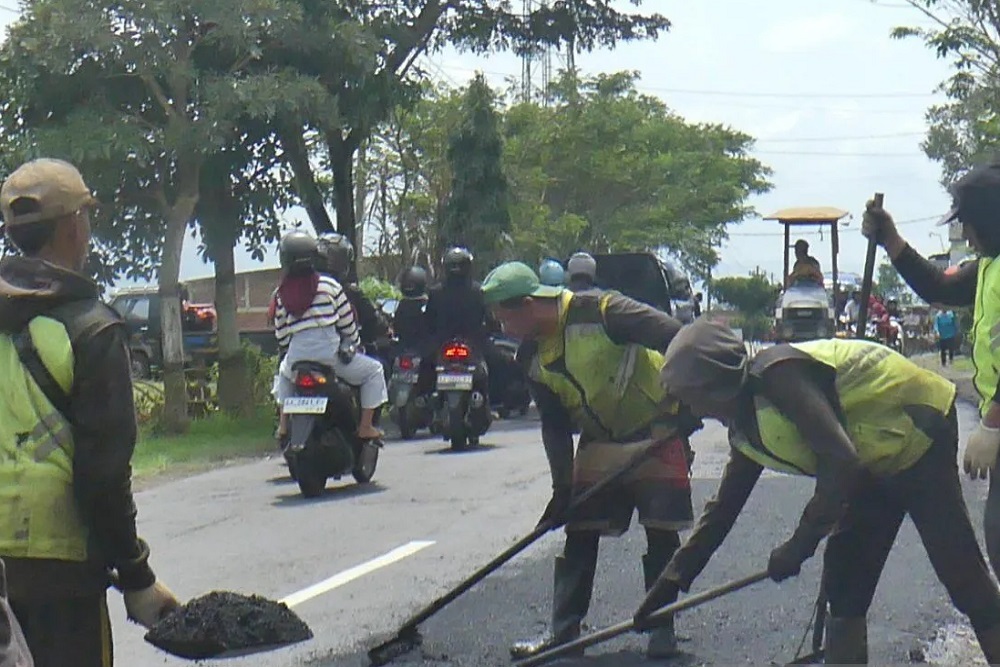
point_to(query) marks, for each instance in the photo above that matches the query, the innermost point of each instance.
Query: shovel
(628, 626)
(408, 637)
(866, 282)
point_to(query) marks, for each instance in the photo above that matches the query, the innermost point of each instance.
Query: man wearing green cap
(595, 370)
(67, 431)
(880, 436)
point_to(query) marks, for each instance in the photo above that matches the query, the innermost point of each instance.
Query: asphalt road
(358, 561)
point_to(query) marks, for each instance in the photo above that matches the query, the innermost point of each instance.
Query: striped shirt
(330, 308)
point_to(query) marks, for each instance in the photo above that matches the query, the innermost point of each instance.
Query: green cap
(513, 280)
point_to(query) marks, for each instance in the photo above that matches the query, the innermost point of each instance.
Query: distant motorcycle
(322, 439)
(410, 411)
(461, 412)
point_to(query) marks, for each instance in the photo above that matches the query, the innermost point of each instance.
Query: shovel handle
(869, 275)
(627, 626)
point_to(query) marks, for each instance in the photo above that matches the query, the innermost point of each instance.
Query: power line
(12, 10)
(835, 154)
(895, 135)
(911, 221)
(811, 95)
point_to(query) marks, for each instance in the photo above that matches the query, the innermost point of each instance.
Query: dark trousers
(930, 492)
(68, 631)
(575, 570)
(947, 348)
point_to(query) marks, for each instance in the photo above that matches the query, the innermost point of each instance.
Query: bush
(375, 289)
(261, 369)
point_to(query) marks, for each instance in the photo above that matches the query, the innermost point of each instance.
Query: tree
(477, 214)
(754, 297)
(965, 129)
(610, 169)
(364, 54)
(136, 94)
(890, 284)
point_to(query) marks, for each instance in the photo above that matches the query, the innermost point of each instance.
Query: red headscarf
(297, 292)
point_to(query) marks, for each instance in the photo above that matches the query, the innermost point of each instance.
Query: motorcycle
(461, 412)
(515, 396)
(409, 410)
(322, 439)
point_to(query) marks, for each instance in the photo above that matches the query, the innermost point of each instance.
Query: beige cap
(55, 185)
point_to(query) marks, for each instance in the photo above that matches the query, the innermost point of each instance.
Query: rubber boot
(846, 641)
(662, 640)
(572, 587)
(989, 642)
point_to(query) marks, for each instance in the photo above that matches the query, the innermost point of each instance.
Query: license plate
(454, 382)
(305, 406)
(407, 377)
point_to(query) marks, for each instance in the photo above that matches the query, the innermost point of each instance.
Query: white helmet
(582, 264)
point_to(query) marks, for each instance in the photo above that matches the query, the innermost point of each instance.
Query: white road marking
(356, 572)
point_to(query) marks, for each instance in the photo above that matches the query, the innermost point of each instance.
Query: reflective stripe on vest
(611, 391)
(986, 332)
(40, 518)
(875, 385)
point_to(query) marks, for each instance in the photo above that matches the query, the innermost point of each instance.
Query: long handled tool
(408, 637)
(628, 626)
(866, 283)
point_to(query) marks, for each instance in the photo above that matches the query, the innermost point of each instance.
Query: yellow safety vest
(986, 332)
(874, 385)
(611, 391)
(39, 517)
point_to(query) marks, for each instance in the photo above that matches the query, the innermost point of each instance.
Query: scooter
(322, 439)
(410, 411)
(461, 412)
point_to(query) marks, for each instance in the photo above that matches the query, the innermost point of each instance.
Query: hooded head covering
(705, 361)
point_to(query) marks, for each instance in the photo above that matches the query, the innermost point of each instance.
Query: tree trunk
(175, 408)
(235, 390)
(342, 166)
(361, 191)
(294, 145)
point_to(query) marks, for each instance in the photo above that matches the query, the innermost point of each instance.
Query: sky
(836, 105)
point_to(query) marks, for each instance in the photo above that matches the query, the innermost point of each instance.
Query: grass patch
(215, 439)
(963, 364)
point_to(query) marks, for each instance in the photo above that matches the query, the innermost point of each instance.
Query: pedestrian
(946, 328)
(594, 370)
(67, 431)
(879, 434)
(976, 203)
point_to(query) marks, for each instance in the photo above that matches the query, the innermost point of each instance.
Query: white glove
(981, 451)
(149, 606)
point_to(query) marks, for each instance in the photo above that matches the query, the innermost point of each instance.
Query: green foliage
(966, 129)
(261, 369)
(375, 289)
(753, 296)
(477, 214)
(610, 169)
(754, 327)
(890, 285)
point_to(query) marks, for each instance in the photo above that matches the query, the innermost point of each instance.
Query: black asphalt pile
(222, 622)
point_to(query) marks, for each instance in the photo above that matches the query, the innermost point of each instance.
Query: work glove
(346, 352)
(981, 451)
(150, 605)
(556, 509)
(663, 592)
(785, 561)
(877, 224)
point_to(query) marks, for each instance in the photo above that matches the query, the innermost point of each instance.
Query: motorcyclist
(582, 270)
(551, 272)
(336, 257)
(409, 321)
(315, 322)
(455, 309)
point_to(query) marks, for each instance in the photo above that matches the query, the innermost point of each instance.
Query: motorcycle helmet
(458, 263)
(582, 264)
(413, 282)
(551, 272)
(297, 252)
(336, 254)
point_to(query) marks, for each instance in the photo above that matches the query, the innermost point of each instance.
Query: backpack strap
(79, 318)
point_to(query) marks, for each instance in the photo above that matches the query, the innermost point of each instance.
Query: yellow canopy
(808, 214)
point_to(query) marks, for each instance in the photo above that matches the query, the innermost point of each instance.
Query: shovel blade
(404, 642)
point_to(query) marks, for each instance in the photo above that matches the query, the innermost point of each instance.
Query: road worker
(67, 431)
(578, 341)
(976, 206)
(880, 436)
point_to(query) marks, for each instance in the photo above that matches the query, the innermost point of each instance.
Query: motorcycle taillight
(406, 363)
(309, 381)
(456, 352)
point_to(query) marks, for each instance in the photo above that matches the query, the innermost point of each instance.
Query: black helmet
(297, 251)
(458, 263)
(336, 254)
(413, 282)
